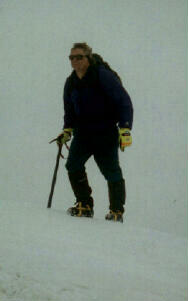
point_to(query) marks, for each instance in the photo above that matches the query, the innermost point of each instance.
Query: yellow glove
(125, 138)
(64, 137)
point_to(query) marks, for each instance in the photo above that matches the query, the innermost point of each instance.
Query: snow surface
(45, 254)
(48, 255)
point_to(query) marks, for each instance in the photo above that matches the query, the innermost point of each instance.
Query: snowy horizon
(145, 42)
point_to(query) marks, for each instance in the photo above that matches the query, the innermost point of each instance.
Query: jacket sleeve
(69, 115)
(114, 89)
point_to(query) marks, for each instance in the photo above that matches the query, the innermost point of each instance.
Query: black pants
(104, 148)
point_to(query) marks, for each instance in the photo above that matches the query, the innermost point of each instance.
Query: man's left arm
(114, 89)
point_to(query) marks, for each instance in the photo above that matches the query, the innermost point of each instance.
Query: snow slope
(46, 255)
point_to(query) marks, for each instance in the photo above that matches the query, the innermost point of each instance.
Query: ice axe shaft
(54, 176)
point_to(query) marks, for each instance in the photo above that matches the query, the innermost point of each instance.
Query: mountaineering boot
(116, 216)
(117, 197)
(82, 191)
(82, 209)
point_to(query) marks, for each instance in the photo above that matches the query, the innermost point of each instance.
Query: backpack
(98, 60)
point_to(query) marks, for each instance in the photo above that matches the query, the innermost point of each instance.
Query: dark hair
(85, 47)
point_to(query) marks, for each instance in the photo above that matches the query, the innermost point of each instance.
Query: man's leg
(78, 155)
(107, 160)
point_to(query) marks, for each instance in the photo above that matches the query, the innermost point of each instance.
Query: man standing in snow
(99, 114)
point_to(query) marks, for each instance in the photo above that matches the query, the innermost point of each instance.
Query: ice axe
(59, 154)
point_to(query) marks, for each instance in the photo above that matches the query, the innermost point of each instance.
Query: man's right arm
(69, 115)
(66, 134)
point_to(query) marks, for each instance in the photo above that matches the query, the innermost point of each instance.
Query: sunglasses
(78, 57)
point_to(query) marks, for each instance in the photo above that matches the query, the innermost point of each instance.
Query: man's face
(79, 64)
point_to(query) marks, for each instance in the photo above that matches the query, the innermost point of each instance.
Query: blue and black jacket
(97, 103)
